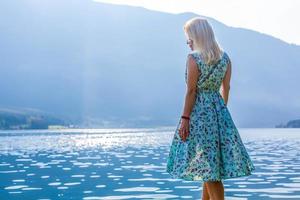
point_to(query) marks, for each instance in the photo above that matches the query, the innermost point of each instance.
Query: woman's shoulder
(225, 56)
(195, 55)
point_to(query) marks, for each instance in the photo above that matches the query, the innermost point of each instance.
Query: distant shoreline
(28, 119)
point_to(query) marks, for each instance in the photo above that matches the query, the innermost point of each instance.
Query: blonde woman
(206, 145)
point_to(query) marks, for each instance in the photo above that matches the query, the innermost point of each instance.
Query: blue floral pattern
(214, 150)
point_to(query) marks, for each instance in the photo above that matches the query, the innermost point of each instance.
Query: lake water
(97, 164)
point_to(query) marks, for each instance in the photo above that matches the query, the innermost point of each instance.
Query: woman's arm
(191, 85)
(190, 96)
(225, 87)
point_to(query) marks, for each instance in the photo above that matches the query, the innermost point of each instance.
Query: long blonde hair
(201, 33)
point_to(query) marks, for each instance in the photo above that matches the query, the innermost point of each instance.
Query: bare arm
(225, 87)
(191, 91)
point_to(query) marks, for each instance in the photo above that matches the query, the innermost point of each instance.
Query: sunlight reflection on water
(130, 163)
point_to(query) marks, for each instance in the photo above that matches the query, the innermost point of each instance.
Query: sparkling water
(93, 164)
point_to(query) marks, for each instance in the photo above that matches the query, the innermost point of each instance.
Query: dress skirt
(214, 150)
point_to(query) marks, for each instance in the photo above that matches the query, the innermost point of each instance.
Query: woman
(206, 145)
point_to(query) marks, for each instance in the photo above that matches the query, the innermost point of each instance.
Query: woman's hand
(184, 130)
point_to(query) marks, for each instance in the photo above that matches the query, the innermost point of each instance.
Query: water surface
(130, 164)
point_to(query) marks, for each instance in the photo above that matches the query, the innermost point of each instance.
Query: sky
(279, 18)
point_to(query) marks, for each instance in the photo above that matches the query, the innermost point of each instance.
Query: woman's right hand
(184, 129)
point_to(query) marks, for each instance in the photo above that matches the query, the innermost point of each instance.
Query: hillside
(97, 63)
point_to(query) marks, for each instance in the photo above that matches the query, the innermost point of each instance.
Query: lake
(92, 164)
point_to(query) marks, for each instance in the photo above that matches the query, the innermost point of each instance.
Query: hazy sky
(279, 18)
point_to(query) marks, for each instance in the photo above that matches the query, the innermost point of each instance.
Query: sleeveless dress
(214, 150)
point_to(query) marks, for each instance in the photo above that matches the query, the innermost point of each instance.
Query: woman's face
(189, 42)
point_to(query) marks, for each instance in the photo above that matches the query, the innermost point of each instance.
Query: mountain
(290, 124)
(27, 118)
(116, 65)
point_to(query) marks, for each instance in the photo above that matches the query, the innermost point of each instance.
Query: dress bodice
(214, 81)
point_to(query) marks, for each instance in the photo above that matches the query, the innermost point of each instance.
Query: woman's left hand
(184, 130)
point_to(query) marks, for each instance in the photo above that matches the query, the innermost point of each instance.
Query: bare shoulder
(191, 59)
(191, 63)
(227, 59)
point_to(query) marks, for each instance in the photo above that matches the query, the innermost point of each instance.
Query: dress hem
(199, 178)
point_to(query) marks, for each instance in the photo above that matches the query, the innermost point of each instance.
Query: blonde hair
(201, 33)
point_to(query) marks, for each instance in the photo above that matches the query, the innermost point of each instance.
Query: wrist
(185, 117)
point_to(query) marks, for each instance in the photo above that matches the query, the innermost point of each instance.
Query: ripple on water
(137, 189)
(143, 196)
(139, 161)
(31, 188)
(54, 184)
(72, 183)
(18, 180)
(78, 176)
(15, 187)
(100, 186)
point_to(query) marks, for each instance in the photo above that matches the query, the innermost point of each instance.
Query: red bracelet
(185, 117)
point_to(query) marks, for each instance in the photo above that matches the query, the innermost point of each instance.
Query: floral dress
(214, 150)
